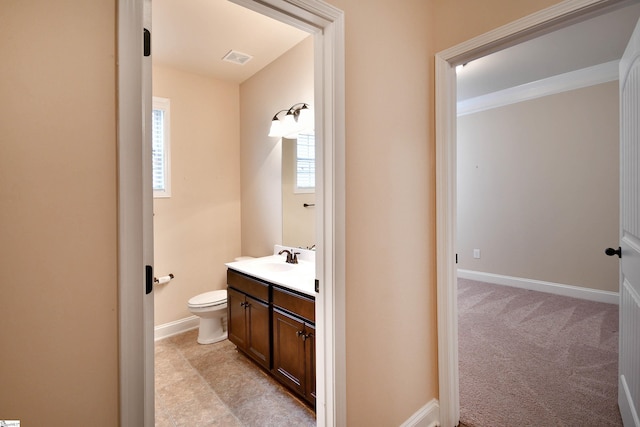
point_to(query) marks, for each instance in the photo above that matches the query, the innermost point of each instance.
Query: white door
(629, 359)
(135, 226)
(147, 230)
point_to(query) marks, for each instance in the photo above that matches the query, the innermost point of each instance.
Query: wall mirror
(298, 190)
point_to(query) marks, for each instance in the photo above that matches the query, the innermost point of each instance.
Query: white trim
(546, 20)
(427, 416)
(626, 405)
(176, 327)
(449, 397)
(585, 77)
(330, 225)
(542, 286)
(518, 31)
(148, 307)
(131, 324)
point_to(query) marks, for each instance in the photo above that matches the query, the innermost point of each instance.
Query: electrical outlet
(476, 253)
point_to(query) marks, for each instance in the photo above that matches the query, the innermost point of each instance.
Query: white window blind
(305, 163)
(160, 147)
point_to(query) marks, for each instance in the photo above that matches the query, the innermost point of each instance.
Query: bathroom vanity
(271, 307)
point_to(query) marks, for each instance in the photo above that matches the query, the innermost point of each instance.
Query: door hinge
(148, 279)
(317, 286)
(147, 42)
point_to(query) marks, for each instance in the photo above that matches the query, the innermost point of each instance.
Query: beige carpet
(531, 358)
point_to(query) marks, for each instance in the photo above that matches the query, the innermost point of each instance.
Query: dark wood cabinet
(294, 342)
(288, 350)
(237, 318)
(258, 343)
(248, 326)
(276, 328)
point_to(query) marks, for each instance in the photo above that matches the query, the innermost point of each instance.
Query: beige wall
(197, 229)
(390, 232)
(58, 257)
(538, 188)
(460, 20)
(284, 82)
(58, 175)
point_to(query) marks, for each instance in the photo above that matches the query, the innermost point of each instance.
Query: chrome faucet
(292, 257)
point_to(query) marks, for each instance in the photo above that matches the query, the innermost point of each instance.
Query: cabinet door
(236, 325)
(288, 351)
(258, 331)
(310, 361)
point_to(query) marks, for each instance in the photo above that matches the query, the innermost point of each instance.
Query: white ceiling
(194, 35)
(592, 42)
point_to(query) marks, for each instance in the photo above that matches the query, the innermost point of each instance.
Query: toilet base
(211, 330)
(209, 340)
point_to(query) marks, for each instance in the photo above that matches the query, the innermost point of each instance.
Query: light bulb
(277, 128)
(305, 119)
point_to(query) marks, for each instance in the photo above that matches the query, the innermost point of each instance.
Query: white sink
(275, 267)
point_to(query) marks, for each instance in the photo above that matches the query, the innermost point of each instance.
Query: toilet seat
(208, 299)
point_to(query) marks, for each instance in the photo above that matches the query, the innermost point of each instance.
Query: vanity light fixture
(298, 118)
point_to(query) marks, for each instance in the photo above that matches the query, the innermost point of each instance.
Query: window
(160, 147)
(305, 163)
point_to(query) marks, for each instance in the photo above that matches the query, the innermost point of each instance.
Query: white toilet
(211, 307)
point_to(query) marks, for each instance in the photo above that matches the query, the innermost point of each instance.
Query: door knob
(612, 252)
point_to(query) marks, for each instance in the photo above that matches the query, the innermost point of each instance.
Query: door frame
(550, 19)
(326, 23)
(133, 375)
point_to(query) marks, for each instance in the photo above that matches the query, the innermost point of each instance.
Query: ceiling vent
(237, 57)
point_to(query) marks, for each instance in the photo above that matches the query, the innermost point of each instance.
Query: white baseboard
(427, 416)
(541, 286)
(176, 327)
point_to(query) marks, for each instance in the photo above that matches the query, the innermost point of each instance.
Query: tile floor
(214, 385)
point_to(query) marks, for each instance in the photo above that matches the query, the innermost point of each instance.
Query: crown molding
(585, 77)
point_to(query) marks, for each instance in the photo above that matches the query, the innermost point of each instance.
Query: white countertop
(274, 269)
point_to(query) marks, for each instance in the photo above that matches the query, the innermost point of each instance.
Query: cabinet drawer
(294, 303)
(248, 285)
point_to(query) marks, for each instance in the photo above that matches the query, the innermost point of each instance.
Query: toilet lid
(209, 298)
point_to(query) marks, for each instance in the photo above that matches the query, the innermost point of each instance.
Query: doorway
(524, 29)
(219, 119)
(136, 343)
